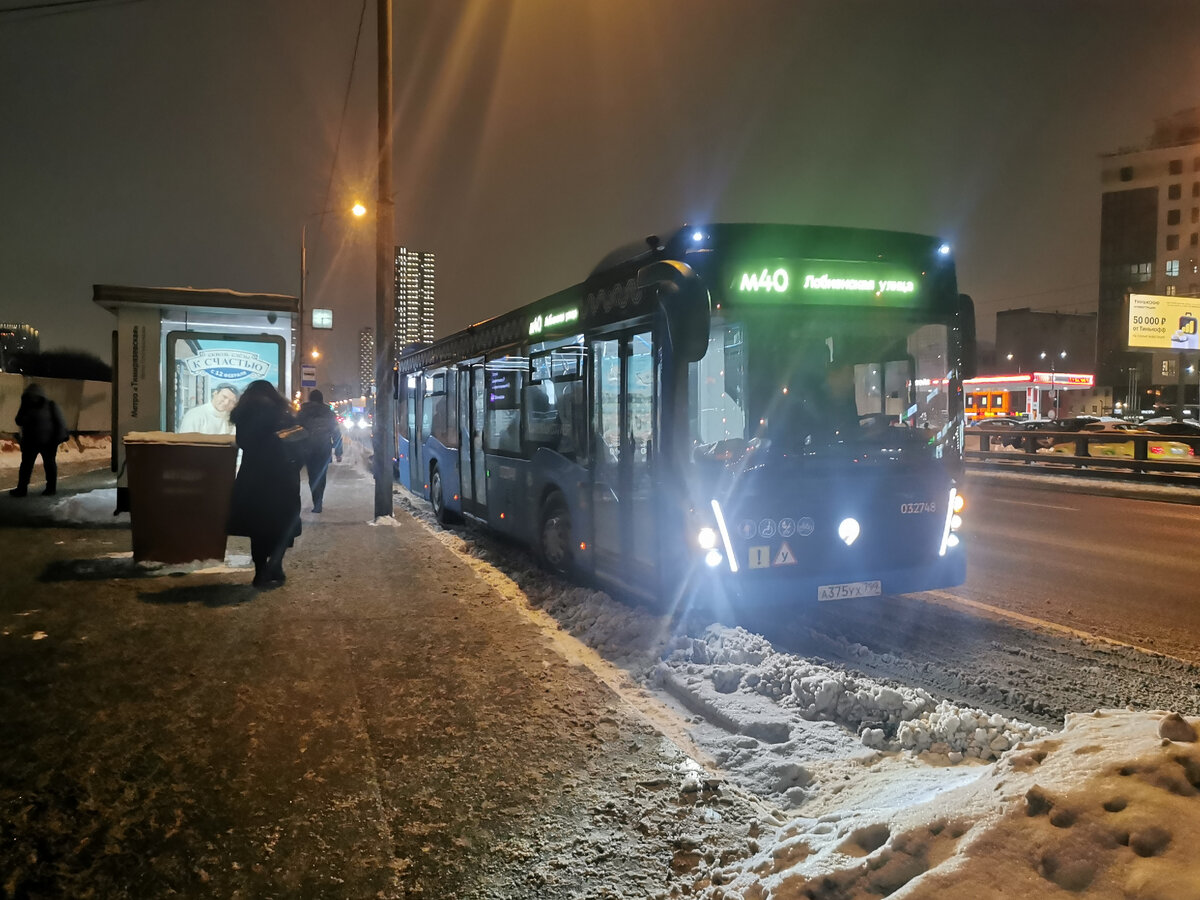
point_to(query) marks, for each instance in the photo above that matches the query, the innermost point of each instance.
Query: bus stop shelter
(182, 356)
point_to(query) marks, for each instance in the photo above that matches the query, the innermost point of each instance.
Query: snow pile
(1108, 808)
(738, 663)
(89, 508)
(80, 448)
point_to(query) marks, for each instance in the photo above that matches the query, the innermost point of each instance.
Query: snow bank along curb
(721, 673)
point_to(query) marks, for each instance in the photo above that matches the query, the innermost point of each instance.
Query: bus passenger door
(477, 471)
(466, 483)
(415, 439)
(623, 385)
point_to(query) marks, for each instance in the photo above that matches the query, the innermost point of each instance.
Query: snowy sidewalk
(385, 724)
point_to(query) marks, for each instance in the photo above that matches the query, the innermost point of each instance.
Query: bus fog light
(955, 522)
(952, 540)
(706, 538)
(713, 558)
(848, 531)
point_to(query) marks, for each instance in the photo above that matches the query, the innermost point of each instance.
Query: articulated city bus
(735, 406)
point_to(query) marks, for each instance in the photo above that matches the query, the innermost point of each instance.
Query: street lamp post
(358, 211)
(1062, 354)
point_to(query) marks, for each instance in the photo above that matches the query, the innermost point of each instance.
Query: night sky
(188, 142)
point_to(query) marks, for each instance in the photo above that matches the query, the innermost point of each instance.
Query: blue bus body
(750, 408)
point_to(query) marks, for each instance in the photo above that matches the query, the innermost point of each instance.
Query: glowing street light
(358, 210)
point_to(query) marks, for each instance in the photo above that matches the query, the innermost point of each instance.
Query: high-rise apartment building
(414, 297)
(1149, 244)
(366, 362)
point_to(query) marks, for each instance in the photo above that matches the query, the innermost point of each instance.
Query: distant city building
(414, 297)
(366, 362)
(1149, 244)
(1029, 340)
(17, 337)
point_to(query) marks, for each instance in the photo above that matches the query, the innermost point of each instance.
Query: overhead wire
(342, 123)
(30, 11)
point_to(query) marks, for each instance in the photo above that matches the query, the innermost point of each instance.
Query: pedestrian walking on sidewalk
(324, 436)
(266, 492)
(43, 428)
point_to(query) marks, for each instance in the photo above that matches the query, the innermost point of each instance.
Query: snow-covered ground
(875, 790)
(868, 789)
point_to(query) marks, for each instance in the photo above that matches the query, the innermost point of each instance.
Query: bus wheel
(554, 539)
(436, 497)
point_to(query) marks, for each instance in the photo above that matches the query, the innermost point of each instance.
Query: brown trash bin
(180, 486)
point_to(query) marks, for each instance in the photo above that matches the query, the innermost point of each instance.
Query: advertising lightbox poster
(207, 373)
(1164, 323)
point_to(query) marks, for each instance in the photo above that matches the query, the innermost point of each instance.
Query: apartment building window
(1172, 217)
(1172, 268)
(1140, 271)
(1170, 290)
(1172, 242)
(1195, 240)
(1195, 215)
(1175, 166)
(1196, 164)
(1196, 188)
(1127, 173)
(1174, 191)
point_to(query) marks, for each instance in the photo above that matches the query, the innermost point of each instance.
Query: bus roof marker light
(849, 530)
(944, 250)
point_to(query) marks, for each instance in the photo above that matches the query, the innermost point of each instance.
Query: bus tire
(437, 498)
(554, 536)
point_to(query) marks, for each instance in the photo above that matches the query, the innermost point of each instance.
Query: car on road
(1006, 423)
(1155, 449)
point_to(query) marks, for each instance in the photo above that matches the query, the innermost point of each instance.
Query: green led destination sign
(542, 323)
(788, 279)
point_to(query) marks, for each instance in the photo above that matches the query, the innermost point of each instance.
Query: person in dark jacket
(43, 428)
(266, 492)
(324, 436)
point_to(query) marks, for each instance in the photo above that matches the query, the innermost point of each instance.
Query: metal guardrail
(1032, 448)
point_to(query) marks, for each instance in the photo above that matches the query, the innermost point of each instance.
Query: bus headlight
(707, 539)
(713, 558)
(954, 521)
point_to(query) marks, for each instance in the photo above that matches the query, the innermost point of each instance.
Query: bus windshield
(809, 381)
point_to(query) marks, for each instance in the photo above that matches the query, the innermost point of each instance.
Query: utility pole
(297, 390)
(384, 434)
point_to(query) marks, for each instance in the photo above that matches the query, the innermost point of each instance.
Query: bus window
(435, 389)
(437, 412)
(606, 387)
(402, 414)
(717, 384)
(505, 377)
(553, 405)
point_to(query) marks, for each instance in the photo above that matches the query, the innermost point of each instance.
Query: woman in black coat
(266, 493)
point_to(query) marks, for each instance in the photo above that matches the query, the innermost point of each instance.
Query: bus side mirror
(683, 300)
(966, 336)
